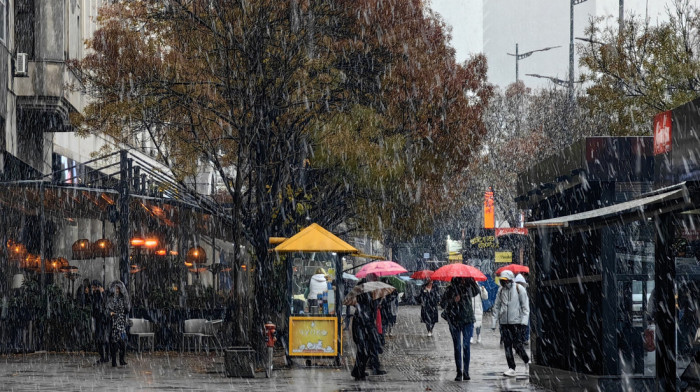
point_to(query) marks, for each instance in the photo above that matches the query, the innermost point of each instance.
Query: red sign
(662, 133)
(511, 230)
(489, 210)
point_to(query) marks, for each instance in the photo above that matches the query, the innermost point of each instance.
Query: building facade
(59, 201)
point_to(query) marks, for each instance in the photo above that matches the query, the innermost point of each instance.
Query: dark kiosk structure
(615, 280)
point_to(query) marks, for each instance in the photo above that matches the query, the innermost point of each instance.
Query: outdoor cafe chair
(211, 331)
(201, 331)
(142, 328)
(194, 330)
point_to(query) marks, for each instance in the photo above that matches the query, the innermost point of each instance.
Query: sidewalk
(414, 363)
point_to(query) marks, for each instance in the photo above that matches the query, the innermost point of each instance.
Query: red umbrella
(458, 270)
(381, 268)
(423, 274)
(514, 268)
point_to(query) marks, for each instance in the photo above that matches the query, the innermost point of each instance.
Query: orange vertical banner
(489, 210)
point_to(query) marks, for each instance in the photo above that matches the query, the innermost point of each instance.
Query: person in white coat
(317, 285)
(512, 311)
(479, 313)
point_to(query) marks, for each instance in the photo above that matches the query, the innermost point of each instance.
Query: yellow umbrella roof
(315, 238)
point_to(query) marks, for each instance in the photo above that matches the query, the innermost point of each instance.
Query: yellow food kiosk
(315, 325)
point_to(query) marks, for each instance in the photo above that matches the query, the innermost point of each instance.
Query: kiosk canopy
(315, 238)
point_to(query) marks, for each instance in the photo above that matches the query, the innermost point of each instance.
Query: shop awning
(366, 256)
(315, 238)
(71, 202)
(664, 200)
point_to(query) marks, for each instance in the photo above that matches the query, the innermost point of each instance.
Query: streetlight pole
(557, 81)
(571, 49)
(519, 56)
(621, 21)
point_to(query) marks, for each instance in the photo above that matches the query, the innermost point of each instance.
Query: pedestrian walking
(390, 310)
(101, 321)
(374, 335)
(362, 334)
(118, 305)
(459, 314)
(512, 311)
(478, 313)
(429, 299)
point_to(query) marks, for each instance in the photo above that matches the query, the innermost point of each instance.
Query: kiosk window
(310, 279)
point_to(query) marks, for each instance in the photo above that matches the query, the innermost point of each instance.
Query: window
(24, 27)
(3, 21)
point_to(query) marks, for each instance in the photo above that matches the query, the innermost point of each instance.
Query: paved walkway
(414, 363)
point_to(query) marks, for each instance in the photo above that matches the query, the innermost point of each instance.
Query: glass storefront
(686, 248)
(634, 262)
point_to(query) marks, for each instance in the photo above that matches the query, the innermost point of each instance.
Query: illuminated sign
(489, 210)
(662, 133)
(313, 336)
(511, 230)
(504, 257)
(484, 242)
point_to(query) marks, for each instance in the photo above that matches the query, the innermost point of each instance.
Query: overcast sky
(511, 22)
(465, 17)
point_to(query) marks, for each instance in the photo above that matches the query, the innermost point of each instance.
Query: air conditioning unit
(21, 64)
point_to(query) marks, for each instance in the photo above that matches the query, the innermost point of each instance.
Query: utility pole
(571, 50)
(621, 21)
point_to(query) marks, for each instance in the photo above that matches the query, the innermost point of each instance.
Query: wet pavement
(414, 362)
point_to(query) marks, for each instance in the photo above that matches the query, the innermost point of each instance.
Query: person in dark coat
(101, 320)
(376, 341)
(429, 299)
(84, 296)
(118, 306)
(362, 334)
(459, 313)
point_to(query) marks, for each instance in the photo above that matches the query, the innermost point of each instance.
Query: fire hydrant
(270, 329)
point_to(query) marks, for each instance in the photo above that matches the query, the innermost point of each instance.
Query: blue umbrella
(348, 276)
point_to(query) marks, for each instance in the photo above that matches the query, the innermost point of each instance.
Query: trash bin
(240, 361)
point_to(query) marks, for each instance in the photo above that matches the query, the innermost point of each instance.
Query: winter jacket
(511, 306)
(102, 319)
(429, 305)
(317, 286)
(117, 308)
(364, 331)
(460, 313)
(479, 306)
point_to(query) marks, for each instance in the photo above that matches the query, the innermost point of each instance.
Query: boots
(103, 350)
(121, 346)
(122, 352)
(113, 352)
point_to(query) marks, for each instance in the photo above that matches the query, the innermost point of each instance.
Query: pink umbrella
(381, 268)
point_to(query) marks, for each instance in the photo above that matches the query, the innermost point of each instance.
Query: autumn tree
(340, 111)
(523, 127)
(643, 69)
(414, 124)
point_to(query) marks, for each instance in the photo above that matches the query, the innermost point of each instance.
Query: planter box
(240, 362)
